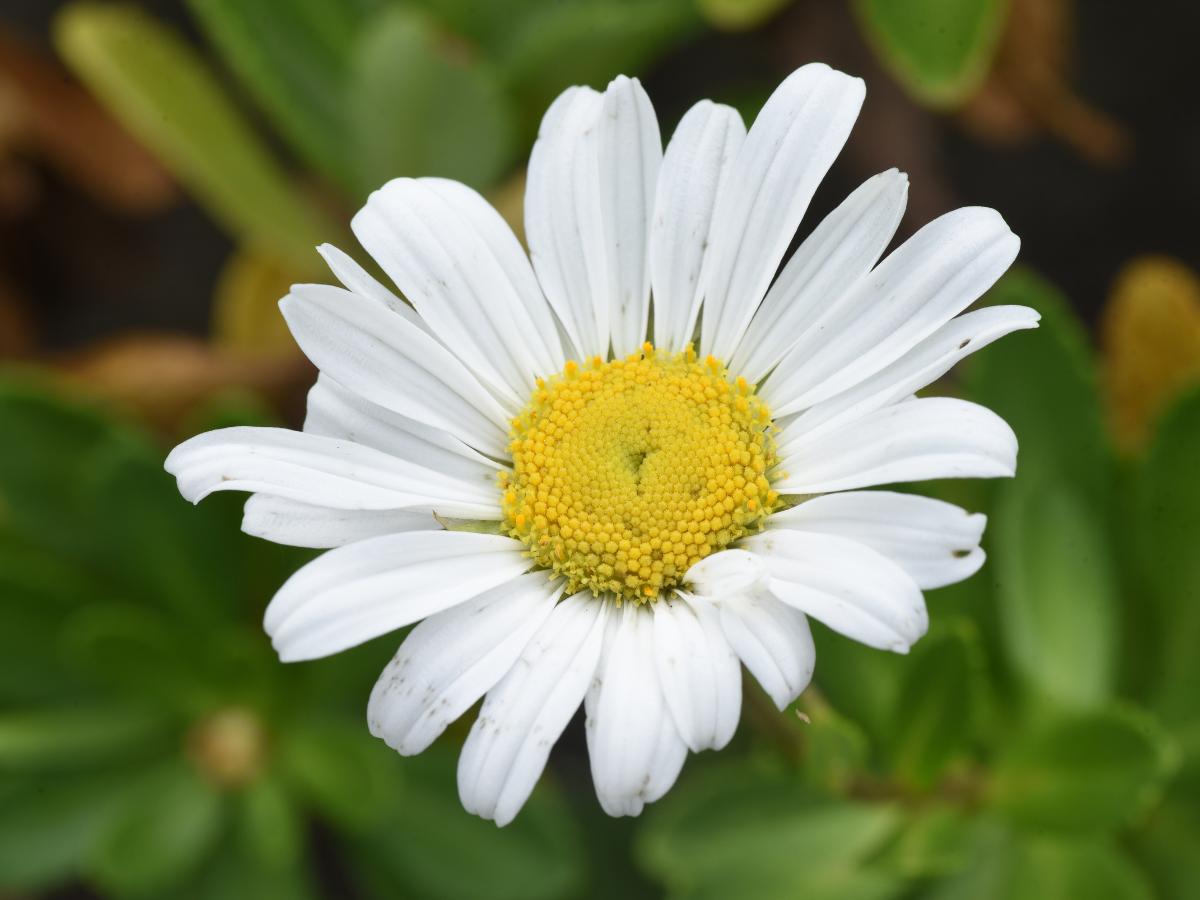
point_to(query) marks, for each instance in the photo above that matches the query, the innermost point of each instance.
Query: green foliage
(735, 831)
(1057, 592)
(934, 716)
(1086, 773)
(739, 15)
(1006, 865)
(1165, 535)
(419, 105)
(537, 857)
(1056, 595)
(166, 95)
(938, 49)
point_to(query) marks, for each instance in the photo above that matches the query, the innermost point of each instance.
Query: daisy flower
(615, 471)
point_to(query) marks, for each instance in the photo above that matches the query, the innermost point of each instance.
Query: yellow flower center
(629, 472)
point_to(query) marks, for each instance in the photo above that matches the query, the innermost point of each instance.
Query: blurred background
(166, 169)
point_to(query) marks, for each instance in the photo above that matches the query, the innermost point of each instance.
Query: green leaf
(165, 832)
(835, 749)
(1056, 594)
(341, 770)
(1007, 866)
(48, 828)
(294, 58)
(739, 15)
(1167, 845)
(934, 715)
(940, 50)
(430, 847)
(1166, 536)
(587, 42)
(41, 739)
(168, 98)
(421, 105)
(935, 841)
(862, 683)
(268, 824)
(1085, 773)
(236, 871)
(769, 834)
(1043, 383)
(48, 461)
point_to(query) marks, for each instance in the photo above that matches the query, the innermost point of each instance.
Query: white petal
(842, 249)
(923, 364)
(932, 277)
(848, 586)
(452, 658)
(934, 437)
(323, 471)
(772, 639)
(697, 162)
(727, 572)
(635, 750)
(524, 714)
(357, 592)
(629, 153)
(394, 364)
(305, 525)
(336, 412)
(698, 671)
(563, 223)
(790, 147)
(355, 278)
(460, 265)
(936, 543)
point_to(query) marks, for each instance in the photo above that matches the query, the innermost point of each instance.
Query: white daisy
(612, 475)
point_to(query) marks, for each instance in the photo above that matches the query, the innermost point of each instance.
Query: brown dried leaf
(1029, 90)
(164, 378)
(45, 114)
(1150, 335)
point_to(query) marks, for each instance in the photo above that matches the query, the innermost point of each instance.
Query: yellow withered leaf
(1150, 333)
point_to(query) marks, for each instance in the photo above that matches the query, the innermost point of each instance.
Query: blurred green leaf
(268, 825)
(430, 847)
(835, 749)
(862, 683)
(167, 97)
(346, 774)
(935, 841)
(1166, 536)
(48, 462)
(50, 827)
(160, 840)
(421, 105)
(1007, 866)
(1087, 773)
(934, 715)
(940, 50)
(1056, 593)
(294, 58)
(586, 42)
(739, 15)
(235, 871)
(1043, 382)
(1167, 846)
(736, 832)
(39, 739)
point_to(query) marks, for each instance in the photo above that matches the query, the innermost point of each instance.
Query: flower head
(616, 471)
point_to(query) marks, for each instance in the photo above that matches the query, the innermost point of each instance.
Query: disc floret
(626, 473)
